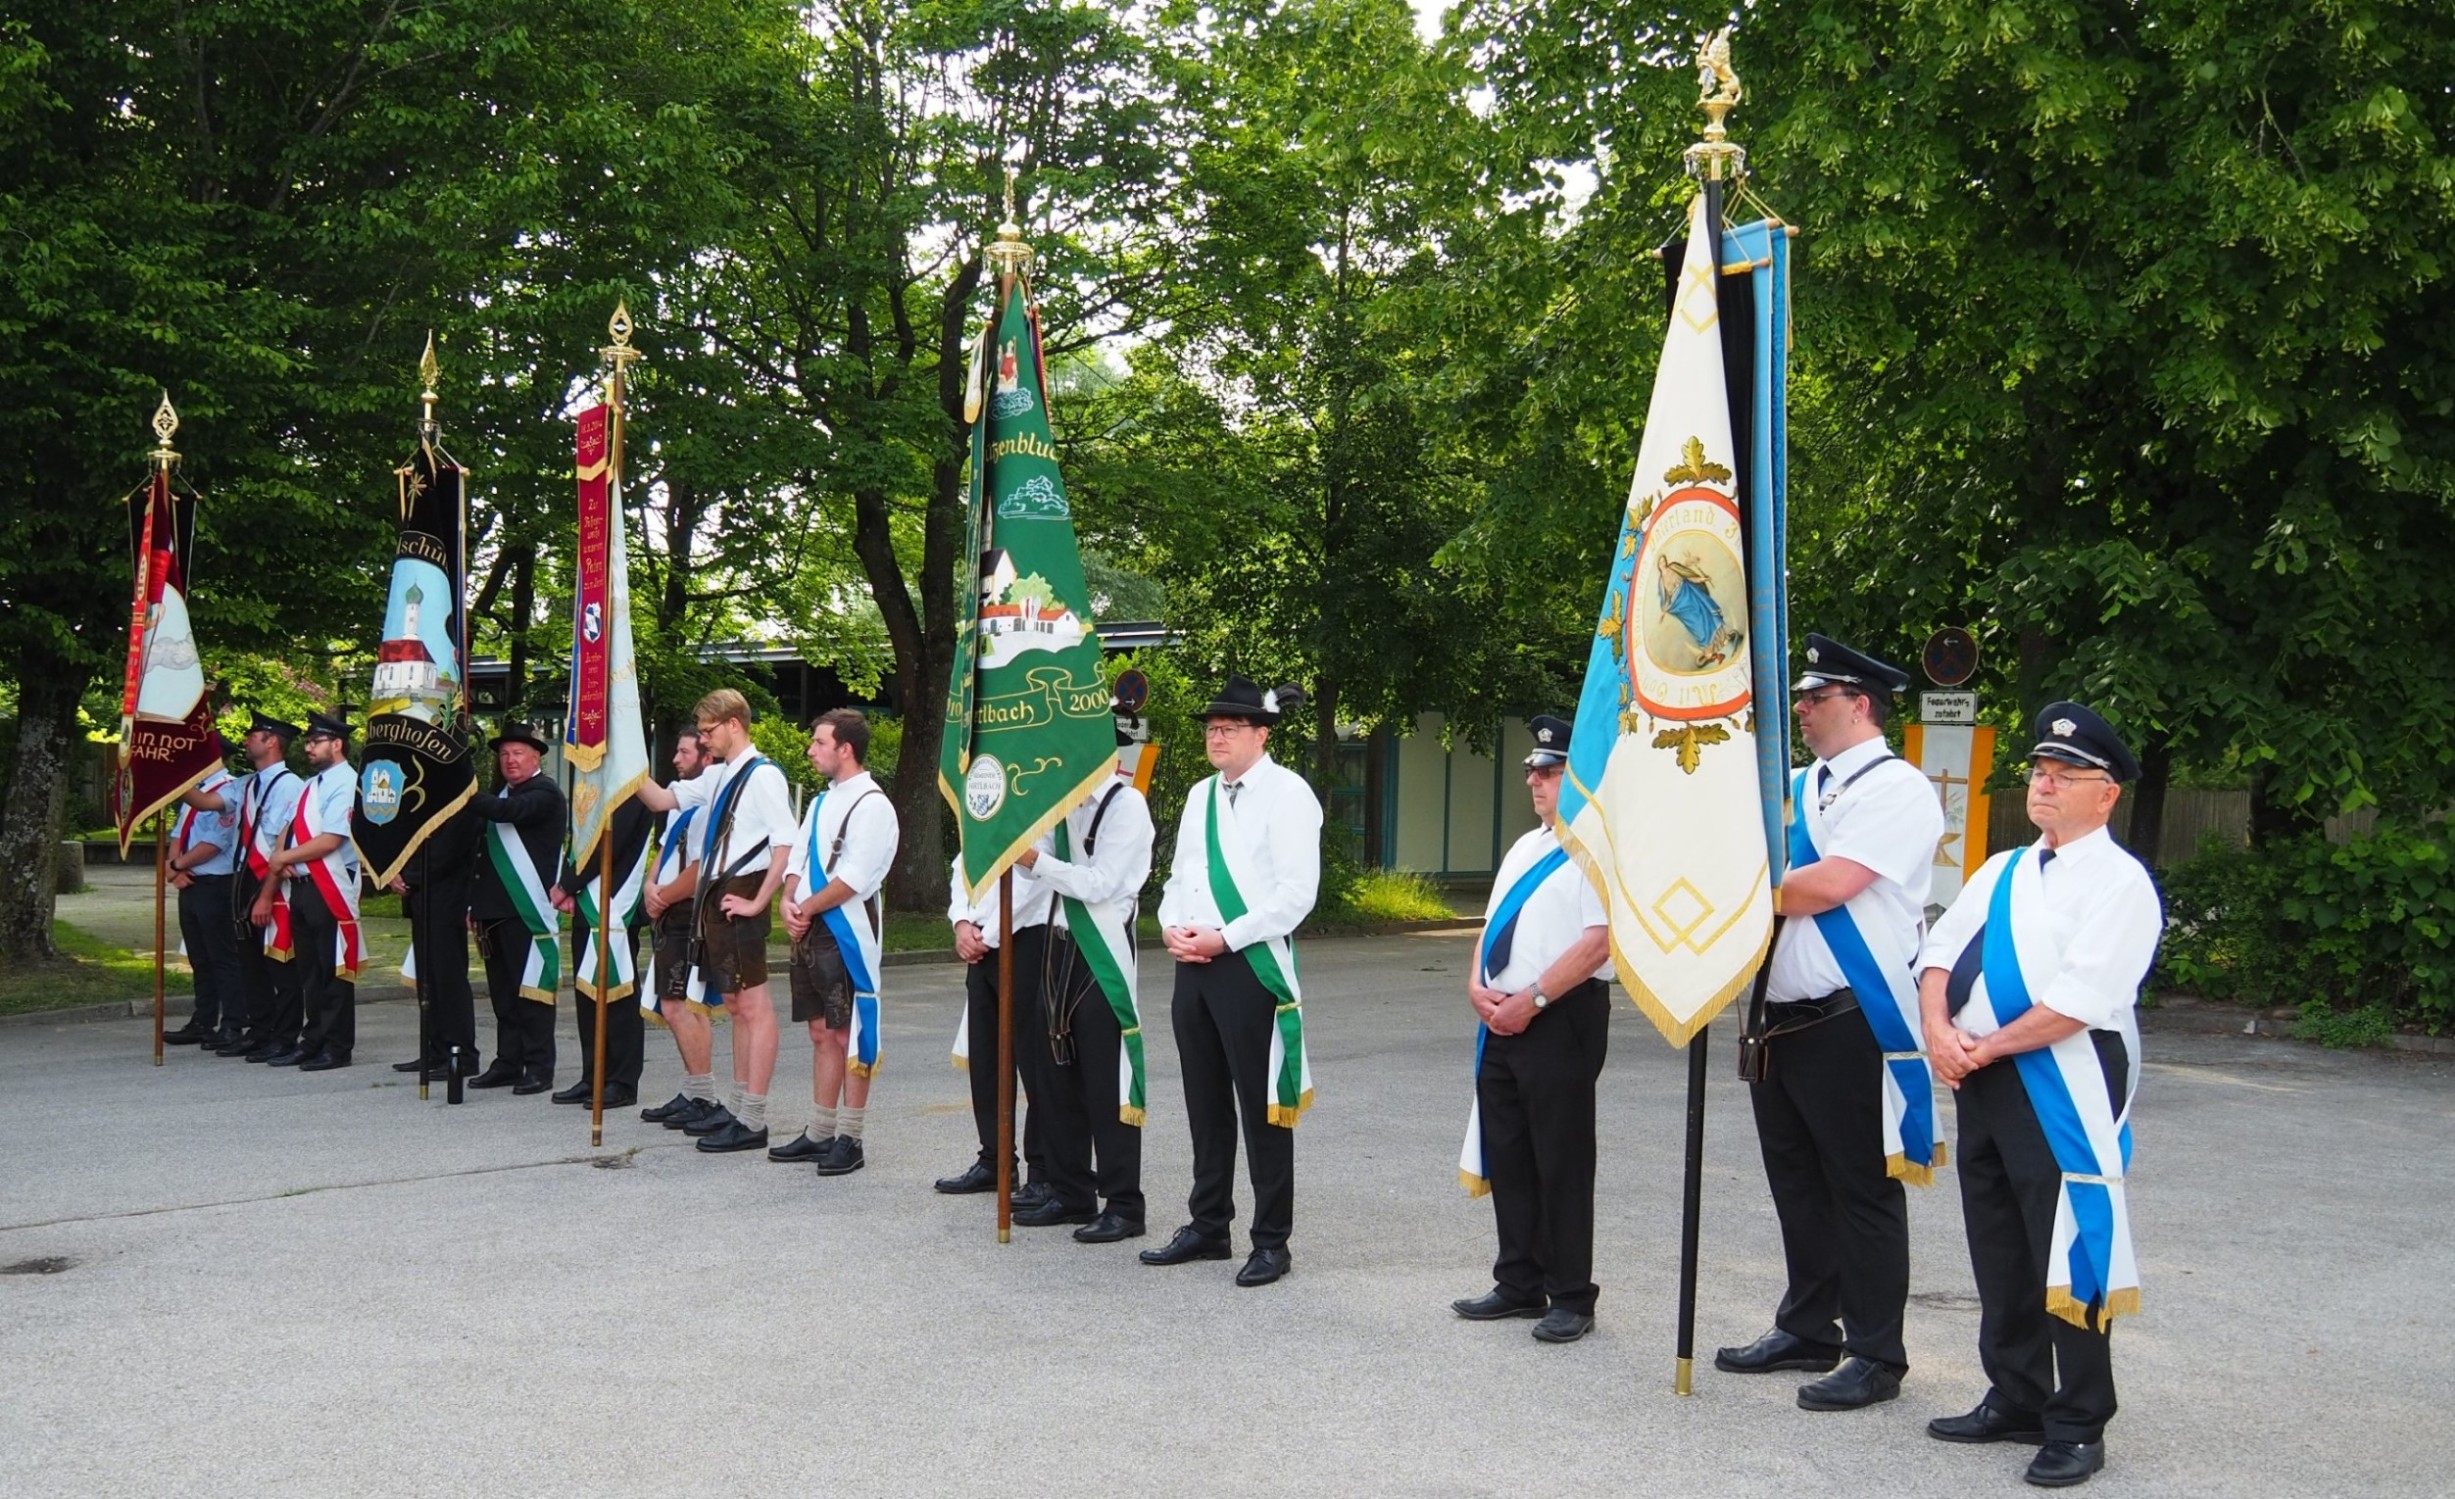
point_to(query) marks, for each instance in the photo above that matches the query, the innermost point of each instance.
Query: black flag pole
(1005, 1056)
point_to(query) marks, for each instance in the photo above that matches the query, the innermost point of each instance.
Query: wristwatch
(1540, 998)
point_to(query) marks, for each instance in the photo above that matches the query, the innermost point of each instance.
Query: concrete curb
(2186, 1014)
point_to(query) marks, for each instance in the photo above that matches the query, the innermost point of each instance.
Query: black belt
(1784, 1016)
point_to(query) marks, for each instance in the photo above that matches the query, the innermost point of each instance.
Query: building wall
(1453, 811)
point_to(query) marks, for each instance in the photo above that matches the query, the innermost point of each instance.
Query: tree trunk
(2146, 837)
(47, 693)
(1376, 834)
(1325, 738)
(523, 611)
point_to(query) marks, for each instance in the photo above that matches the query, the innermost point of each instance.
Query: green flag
(1028, 728)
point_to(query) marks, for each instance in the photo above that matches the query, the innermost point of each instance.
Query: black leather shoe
(1857, 1383)
(1776, 1350)
(528, 1085)
(706, 1122)
(2059, 1465)
(189, 1034)
(497, 1076)
(263, 1051)
(1492, 1306)
(1264, 1266)
(620, 1095)
(1987, 1424)
(288, 1056)
(802, 1148)
(433, 1069)
(842, 1158)
(236, 1046)
(1051, 1213)
(1107, 1228)
(1030, 1195)
(677, 1107)
(577, 1093)
(979, 1176)
(1560, 1325)
(733, 1136)
(325, 1061)
(1187, 1245)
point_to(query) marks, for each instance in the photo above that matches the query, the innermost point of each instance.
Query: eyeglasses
(1223, 730)
(2041, 775)
(1810, 699)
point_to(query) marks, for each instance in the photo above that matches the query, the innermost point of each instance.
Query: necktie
(1232, 788)
(1973, 957)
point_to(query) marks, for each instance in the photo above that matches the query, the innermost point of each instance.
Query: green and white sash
(1103, 933)
(1274, 963)
(630, 897)
(541, 973)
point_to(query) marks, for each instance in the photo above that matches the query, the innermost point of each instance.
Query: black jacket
(534, 811)
(632, 824)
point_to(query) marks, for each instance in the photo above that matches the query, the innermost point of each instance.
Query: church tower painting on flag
(413, 676)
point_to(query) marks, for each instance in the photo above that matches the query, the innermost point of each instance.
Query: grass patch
(1387, 895)
(87, 972)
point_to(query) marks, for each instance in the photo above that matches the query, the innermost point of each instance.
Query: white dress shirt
(2102, 911)
(1280, 821)
(1120, 857)
(762, 815)
(1553, 920)
(1888, 820)
(1031, 903)
(870, 830)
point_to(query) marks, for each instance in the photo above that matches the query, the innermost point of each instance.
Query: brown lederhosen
(671, 934)
(734, 948)
(822, 988)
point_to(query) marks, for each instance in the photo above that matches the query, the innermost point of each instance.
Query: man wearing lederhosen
(840, 858)
(671, 881)
(314, 879)
(204, 843)
(1845, 1112)
(1540, 990)
(511, 907)
(1086, 1039)
(2029, 989)
(1246, 870)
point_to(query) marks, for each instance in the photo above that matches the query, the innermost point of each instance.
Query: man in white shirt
(839, 860)
(1086, 1046)
(264, 801)
(1845, 1112)
(746, 836)
(673, 873)
(1540, 992)
(1246, 871)
(320, 864)
(2029, 988)
(978, 940)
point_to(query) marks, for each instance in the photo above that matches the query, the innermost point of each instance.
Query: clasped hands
(1506, 1014)
(1194, 944)
(1954, 1054)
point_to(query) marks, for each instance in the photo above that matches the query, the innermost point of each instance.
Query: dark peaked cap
(2075, 735)
(260, 723)
(1832, 664)
(1550, 740)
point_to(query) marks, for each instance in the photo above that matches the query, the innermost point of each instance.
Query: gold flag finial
(1008, 252)
(165, 423)
(619, 353)
(430, 374)
(1715, 159)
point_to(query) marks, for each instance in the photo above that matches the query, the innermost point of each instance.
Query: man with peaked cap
(1085, 1036)
(1845, 1112)
(2028, 988)
(1540, 989)
(204, 842)
(314, 877)
(1246, 870)
(262, 804)
(511, 904)
(626, 1026)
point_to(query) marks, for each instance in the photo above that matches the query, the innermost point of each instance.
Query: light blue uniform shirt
(221, 829)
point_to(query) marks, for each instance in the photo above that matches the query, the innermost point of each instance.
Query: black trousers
(273, 1001)
(523, 1027)
(213, 954)
(1078, 1097)
(329, 1002)
(626, 1029)
(1223, 1018)
(1845, 1224)
(980, 1020)
(2010, 1185)
(439, 927)
(1535, 1092)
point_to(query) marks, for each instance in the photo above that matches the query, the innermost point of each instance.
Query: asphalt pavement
(220, 1279)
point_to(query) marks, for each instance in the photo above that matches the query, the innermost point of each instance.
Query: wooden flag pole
(161, 938)
(605, 976)
(1005, 1057)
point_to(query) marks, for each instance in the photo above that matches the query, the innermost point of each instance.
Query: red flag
(167, 739)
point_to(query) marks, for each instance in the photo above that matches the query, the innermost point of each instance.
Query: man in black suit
(511, 907)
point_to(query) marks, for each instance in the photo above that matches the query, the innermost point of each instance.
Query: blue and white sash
(858, 941)
(2089, 1262)
(1881, 971)
(711, 890)
(1496, 932)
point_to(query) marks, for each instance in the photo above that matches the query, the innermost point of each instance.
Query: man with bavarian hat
(262, 803)
(2028, 989)
(1246, 870)
(1540, 989)
(312, 891)
(511, 907)
(1845, 1112)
